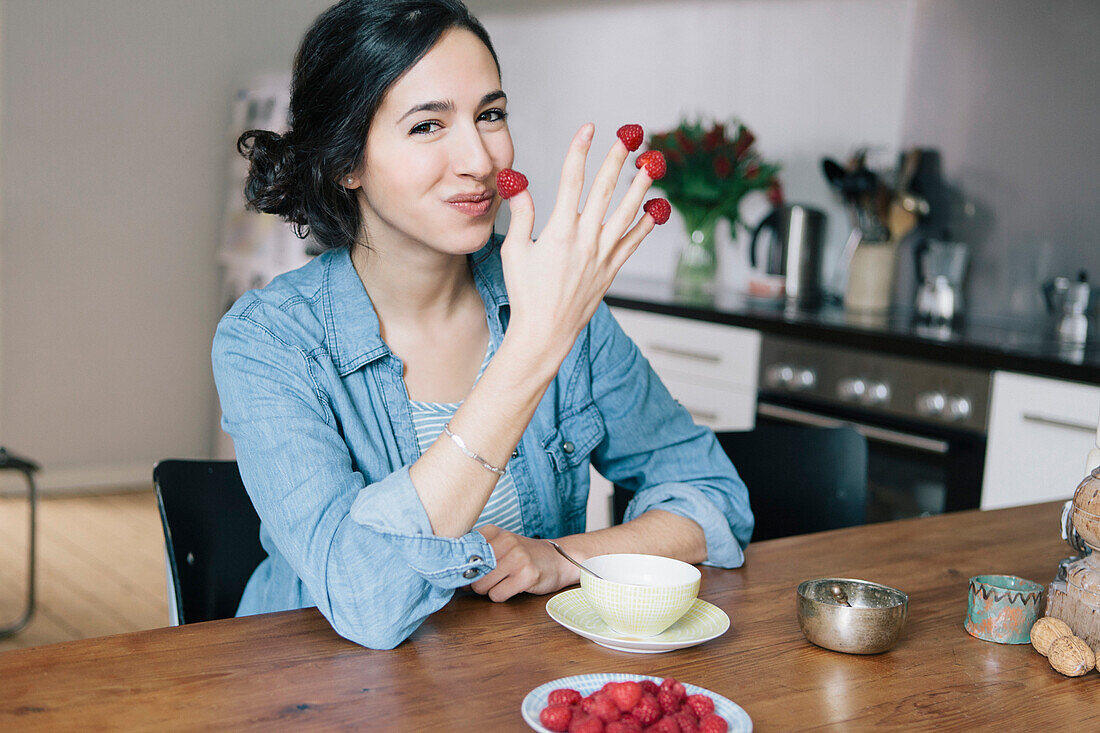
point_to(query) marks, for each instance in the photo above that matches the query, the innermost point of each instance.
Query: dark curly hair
(348, 59)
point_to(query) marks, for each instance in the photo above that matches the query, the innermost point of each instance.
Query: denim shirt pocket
(568, 446)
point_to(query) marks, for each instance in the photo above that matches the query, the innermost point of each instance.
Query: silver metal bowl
(871, 624)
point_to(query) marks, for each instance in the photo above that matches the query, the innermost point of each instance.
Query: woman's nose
(471, 155)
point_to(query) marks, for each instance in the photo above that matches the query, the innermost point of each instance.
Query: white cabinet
(709, 368)
(1040, 433)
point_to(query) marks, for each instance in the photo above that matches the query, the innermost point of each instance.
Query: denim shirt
(317, 408)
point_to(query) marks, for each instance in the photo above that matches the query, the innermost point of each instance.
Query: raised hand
(556, 283)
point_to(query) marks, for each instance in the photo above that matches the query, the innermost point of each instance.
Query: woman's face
(433, 151)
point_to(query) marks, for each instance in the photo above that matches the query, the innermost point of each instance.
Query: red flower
(775, 192)
(744, 140)
(674, 157)
(752, 171)
(684, 143)
(722, 167)
(714, 137)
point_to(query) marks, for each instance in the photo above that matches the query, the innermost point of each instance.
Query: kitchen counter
(993, 343)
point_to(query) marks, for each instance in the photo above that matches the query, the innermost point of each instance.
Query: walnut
(1071, 656)
(1046, 630)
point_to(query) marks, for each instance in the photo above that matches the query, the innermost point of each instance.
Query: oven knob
(779, 375)
(803, 379)
(958, 409)
(877, 393)
(851, 388)
(931, 404)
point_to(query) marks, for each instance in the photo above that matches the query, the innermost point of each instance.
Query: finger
(603, 187)
(629, 244)
(628, 208)
(517, 582)
(572, 174)
(522, 208)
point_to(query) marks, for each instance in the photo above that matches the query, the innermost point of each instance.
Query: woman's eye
(493, 115)
(425, 128)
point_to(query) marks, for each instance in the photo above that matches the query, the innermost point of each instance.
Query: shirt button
(475, 558)
(567, 446)
(515, 453)
(471, 573)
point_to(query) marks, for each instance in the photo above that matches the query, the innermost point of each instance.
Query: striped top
(428, 419)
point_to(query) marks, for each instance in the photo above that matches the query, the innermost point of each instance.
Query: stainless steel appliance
(941, 269)
(1068, 303)
(794, 251)
(925, 422)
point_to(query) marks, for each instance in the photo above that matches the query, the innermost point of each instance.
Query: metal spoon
(839, 594)
(564, 554)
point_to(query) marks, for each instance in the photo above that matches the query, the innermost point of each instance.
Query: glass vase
(696, 277)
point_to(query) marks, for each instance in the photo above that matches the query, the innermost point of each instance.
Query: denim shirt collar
(352, 331)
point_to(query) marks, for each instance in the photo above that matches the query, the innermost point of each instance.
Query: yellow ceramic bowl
(640, 595)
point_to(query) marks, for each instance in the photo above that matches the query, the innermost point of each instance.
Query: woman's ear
(350, 182)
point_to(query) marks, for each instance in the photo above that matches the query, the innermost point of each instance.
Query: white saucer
(703, 622)
(734, 715)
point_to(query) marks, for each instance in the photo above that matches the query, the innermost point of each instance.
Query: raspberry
(701, 705)
(631, 135)
(676, 688)
(605, 709)
(686, 722)
(666, 724)
(626, 694)
(510, 182)
(567, 696)
(713, 724)
(586, 724)
(649, 686)
(556, 717)
(654, 163)
(623, 726)
(648, 710)
(659, 209)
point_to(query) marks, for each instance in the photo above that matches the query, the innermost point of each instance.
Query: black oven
(925, 422)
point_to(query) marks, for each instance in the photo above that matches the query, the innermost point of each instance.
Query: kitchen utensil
(793, 251)
(941, 271)
(871, 277)
(702, 622)
(1068, 303)
(640, 595)
(871, 623)
(1002, 608)
(566, 555)
(839, 594)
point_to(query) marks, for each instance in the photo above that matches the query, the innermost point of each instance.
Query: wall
(809, 77)
(112, 176)
(1008, 91)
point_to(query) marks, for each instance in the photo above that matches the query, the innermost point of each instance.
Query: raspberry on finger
(631, 135)
(510, 182)
(659, 209)
(654, 163)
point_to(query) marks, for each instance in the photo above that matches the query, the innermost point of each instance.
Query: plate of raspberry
(715, 711)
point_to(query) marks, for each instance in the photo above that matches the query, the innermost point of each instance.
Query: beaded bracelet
(469, 453)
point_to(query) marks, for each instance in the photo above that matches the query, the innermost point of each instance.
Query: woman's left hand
(524, 565)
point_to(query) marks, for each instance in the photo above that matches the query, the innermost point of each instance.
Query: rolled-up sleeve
(656, 450)
(364, 551)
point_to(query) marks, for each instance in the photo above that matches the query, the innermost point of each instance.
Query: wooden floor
(100, 567)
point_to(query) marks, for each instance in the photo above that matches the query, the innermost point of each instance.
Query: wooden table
(470, 665)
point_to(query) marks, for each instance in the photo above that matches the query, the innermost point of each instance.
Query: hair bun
(273, 185)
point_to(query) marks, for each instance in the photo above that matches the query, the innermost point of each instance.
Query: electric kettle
(793, 250)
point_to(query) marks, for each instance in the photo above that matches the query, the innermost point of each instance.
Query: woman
(417, 322)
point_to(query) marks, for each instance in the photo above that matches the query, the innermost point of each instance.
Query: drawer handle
(695, 355)
(1055, 422)
(703, 415)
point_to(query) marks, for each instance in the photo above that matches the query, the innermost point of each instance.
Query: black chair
(212, 535)
(801, 479)
(27, 467)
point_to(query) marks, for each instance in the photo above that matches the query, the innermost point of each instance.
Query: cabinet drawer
(694, 349)
(1040, 432)
(717, 407)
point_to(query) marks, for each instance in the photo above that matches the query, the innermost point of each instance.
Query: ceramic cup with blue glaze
(1002, 608)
